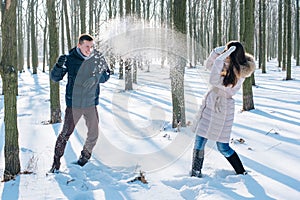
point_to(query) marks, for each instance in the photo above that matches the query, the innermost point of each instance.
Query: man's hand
(61, 60)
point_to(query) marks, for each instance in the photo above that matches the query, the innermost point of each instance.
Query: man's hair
(85, 36)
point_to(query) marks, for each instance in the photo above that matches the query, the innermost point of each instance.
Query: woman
(229, 65)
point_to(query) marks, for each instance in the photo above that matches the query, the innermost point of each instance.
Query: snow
(136, 136)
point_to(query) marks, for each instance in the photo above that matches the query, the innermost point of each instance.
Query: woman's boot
(236, 163)
(198, 157)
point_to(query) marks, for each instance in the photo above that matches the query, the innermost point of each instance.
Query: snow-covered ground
(136, 136)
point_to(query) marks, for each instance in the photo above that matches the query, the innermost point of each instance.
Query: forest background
(36, 31)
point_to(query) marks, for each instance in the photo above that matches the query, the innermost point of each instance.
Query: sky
(136, 137)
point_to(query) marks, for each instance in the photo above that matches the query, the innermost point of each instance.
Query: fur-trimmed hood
(246, 70)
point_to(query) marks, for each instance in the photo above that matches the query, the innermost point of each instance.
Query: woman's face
(86, 47)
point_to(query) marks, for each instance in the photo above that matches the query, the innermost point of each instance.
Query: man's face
(86, 47)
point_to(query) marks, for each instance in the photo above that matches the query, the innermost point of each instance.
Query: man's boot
(84, 157)
(198, 157)
(236, 163)
(55, 165)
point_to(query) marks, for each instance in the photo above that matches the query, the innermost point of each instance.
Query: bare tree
(10, 87)
(20, 38)
(45, 55)
(128, 62)
(262, 36)
(34, 52)
(121, 6)
(297, 33)
(128, 74)
(82, 15)
(62, 33)
(177, 71)
(215, 24)
(284, 42)
(28, 34)
(242, 20)
(91, 17)
(288, 21)
(279, 37)
(55, 115)
(248, 103)
(219, 22)
(232, 34)
(67, 25)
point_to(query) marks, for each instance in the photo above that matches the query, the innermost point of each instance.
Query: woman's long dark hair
(237, 58)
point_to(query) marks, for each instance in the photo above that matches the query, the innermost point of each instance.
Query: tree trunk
(297, 34)
(10, 87)
(121, 8)
(220, 23)
(55, 115)
(177, 71)
(11, 148)
(28, 35)
(34, 53)
(68, 33)
(289, 41)
(82, 15)
(215, 24)
(242, 20)
(45, 60)
(279, 51)
(128, 74)
(91, 18)
(134, 72)
(128, 7)
(110, 9)
(121, 62)
(162, 10)
(190, 34)
(20, 39)
(248, 103)
(128, 61)
(232, 22)
(284, 43)
(148, 10)
(62, 33)
(263, 37)
(138, 8)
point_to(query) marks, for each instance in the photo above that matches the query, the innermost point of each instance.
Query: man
(86, 68)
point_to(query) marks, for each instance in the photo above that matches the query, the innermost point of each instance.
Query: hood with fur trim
(248, 69)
